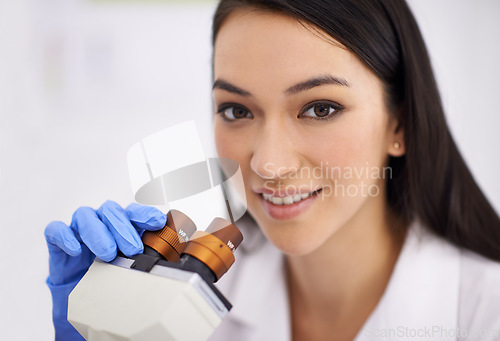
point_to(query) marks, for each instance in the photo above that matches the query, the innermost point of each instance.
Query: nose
(275, 154)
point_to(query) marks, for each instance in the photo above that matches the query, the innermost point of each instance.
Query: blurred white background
(82, 81)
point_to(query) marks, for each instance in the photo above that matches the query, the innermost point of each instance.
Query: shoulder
(478, 284)
(438, 284)
(480, 272)
(479, 299)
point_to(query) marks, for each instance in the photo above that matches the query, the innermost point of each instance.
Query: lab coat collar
(421, 297)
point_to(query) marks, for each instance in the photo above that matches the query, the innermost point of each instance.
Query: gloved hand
(92, 233)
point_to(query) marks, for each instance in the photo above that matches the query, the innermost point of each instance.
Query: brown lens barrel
(171, 241)
(215, 246)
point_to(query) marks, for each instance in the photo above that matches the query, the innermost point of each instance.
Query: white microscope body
(114, 302)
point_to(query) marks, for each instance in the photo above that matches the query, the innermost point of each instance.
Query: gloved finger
(94, 233)
(116, 220)
(60, 237)
(146, 217)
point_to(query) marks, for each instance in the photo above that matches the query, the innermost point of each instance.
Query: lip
(286, 212)
(280, 194)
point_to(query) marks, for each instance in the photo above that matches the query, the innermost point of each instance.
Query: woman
(372, 226)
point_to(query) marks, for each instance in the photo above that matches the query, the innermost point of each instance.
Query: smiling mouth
(289, 200)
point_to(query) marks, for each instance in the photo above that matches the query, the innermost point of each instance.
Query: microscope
(168, 292)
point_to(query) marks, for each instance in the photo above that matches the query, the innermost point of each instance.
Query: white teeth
(286, 200)
(277, 201)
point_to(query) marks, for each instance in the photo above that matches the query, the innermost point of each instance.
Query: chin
(295, 250)
(293, 244)
(300, 237)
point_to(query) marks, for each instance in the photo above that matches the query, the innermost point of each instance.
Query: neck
(341, 282)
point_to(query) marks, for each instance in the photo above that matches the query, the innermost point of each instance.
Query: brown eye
(233, 113)
(322, 110)
(240, 112)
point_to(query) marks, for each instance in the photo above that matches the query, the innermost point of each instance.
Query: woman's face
(307, 122)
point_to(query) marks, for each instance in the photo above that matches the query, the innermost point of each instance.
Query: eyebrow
(302, 86)
(224, 85)
(316, 81)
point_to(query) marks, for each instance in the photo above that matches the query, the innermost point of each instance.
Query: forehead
(272, 47)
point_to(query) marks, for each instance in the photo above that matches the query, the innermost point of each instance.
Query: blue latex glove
(92, 233)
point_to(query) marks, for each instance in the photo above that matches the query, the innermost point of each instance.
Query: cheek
(348, 146)
(232, 145)
(220, 142)
(225, 142)
(355, 143)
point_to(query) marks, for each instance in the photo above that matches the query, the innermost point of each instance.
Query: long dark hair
(431, 181)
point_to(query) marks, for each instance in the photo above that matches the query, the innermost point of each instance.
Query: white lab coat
(437, 292)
